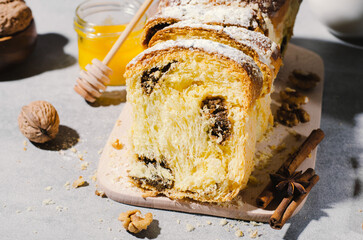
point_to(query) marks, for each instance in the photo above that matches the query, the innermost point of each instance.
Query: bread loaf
(200, 94)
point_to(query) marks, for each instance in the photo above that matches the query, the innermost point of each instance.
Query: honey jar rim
(83, 26)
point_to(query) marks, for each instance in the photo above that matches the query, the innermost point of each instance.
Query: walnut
(134, 222)
(303, 80)
(291, 96)
(39, 121)
(302, 115)
(291, 114)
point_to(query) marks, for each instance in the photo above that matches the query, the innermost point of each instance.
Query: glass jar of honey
(98, 25)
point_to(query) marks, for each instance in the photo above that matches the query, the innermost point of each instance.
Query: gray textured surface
(331, 212)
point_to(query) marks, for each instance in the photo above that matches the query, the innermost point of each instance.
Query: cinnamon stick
(281, 209)
(275, 224)
(291, 164)
(303, 152)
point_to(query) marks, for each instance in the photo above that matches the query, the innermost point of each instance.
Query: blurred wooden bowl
(14, 49)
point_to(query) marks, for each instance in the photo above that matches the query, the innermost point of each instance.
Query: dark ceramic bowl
(14, 49)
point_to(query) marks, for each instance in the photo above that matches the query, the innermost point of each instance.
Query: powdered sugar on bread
(206, 46)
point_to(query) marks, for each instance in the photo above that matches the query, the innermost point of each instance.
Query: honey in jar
(98, 25)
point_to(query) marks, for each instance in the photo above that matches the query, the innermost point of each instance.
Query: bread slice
(263, 50)
(274, 18)
(211, 14)
(196, 118)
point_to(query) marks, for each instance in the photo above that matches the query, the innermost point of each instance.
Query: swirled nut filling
(151, 77)
(216, 109)
(156, 181)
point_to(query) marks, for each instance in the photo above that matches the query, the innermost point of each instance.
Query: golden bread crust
(274, 18)
(265, 53)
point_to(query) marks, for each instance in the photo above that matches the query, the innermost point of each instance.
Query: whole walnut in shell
(39, 121)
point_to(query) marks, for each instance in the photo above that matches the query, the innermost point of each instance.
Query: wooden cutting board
(271, 152)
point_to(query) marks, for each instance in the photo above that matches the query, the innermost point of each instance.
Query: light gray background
(332, 210)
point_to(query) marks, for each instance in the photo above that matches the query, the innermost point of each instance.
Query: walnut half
(291, 114)
(304, 80)
(291, 96)
(134, 222)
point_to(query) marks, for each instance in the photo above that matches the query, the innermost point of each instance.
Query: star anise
(290, 183)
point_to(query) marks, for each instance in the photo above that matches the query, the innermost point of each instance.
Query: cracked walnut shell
(134, 222)
(39, 121)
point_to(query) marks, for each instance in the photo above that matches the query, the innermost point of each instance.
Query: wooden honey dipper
(94, 79)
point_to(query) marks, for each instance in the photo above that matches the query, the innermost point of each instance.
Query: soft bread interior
(195, 125)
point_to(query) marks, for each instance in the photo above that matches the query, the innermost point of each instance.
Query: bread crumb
(100, 220)
(73, 150)
(117, 145)
(262, 159)
(253, 180)
(223, 222)
(178, 221)
(29, 209)
(48, 202)
(296, 135)
(360, 210)
(109, 229)
(272, 147)
(100, 151)
(100, 193)
(254, 234)
(25, 143)
(239, 233)
(67, 185)
(48, 188)
(94, 177)
(281, 148)
(80, 156)
(255, 223)
(84, 165)
(24, 148)
(61, 209)
(18, 211)
(189, 227)
(61, 152)
(80, 182)
(209, 222)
